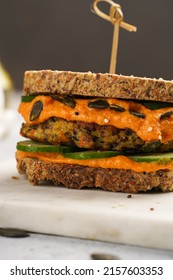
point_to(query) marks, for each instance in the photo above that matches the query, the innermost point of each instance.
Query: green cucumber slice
(69, 152)
(91, 154)
(28, 98)
(36, 147)
(159, 158)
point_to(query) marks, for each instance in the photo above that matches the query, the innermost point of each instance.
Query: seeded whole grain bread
(77, 177)
(102, 85)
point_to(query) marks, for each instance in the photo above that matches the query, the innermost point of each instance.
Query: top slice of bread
(97, 85)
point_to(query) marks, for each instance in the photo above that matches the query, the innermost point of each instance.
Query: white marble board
(144, 219)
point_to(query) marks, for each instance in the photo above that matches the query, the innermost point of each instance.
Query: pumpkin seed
(55, 97)
(13, 232)
(117, 108)
(100, 256)
(70, 102)
(98, 104)
(36, 110)
(166, 115)
(137, 114)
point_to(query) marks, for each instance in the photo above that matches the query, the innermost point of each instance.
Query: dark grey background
(66, 35)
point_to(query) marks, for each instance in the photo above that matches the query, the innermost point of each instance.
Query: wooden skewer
(116, 18)
(113, 62)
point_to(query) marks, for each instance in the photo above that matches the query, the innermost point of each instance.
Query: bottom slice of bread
(77, 177)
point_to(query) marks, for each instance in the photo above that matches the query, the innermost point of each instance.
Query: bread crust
(77, 177)
(99, 85)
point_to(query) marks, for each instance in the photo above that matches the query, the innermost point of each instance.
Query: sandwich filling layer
(110, 122)
(149, 125)
(117, 162)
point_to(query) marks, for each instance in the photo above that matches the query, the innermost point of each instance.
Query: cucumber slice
(69, 152)
(36, 147)
(159, 158)
(91, 154)
(28, 98)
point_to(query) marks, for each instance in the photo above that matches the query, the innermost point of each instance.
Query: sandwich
(106, 131)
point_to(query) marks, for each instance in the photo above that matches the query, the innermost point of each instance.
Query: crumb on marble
(15, 178)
